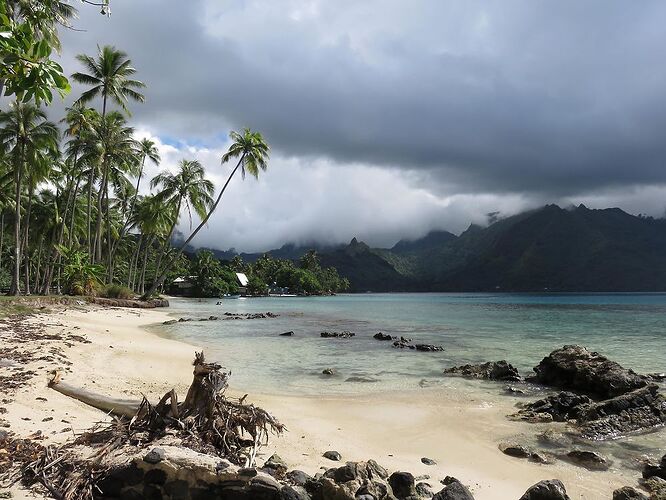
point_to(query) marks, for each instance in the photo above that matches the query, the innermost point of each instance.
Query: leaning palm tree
(25, 135)
(252, 153)
(188, 187)
(109, 78)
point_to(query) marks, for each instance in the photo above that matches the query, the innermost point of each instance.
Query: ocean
(471, 327)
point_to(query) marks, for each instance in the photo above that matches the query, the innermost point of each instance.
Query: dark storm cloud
(549, 97)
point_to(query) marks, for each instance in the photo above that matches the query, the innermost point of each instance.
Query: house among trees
(182, 286)
(242, 283)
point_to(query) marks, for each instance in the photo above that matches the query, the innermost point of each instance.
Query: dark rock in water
(634, 411)
(382, 336)
(552, 439)
(338, 335)
(333, 455)
(402, 344)
(170, 322)
(629, 493)
(287, 334)
(328, 371)
(655, 377)
(546, 490)
(428, 348)
(588, 459)
(455, 490)
(428, 461)
(361, 379)
(423, 490)
(183, 320)
(520, 451)
(655, 470)
(402, 484)
(510, 389)
(574, 367)
(492, 370)
(561, 407)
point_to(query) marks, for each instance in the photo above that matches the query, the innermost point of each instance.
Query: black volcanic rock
(546, 490)
(574, 367)
(492, 370)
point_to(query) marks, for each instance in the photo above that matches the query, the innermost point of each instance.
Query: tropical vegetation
(76, 214)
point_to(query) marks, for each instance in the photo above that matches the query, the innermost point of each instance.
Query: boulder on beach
(629, 493)
(454, 490)
(552, 489)
(574, 367)
(332, 455)
(492, 370)
(655, 470)
(403, 485)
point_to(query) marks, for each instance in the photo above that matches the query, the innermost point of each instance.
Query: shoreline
(126, 358)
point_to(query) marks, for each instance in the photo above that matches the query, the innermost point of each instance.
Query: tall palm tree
(187, 186)
(252, 153)
(25, 134)
(109, 78)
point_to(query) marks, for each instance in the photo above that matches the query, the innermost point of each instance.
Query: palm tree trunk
(158, 282)
(15, 288)
(97, 249)
(26, 239)
(70, 236)
(167, 242)
(131, 273)
(91, 181)
(142, 278)
(2, 234)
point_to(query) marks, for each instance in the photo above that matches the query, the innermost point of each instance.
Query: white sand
(125, 360)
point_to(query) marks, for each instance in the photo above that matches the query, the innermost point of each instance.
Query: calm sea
(521, 328)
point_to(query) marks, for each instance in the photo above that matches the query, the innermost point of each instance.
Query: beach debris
(287, 334)
(428, 461)
(207, 421)
(332, 455)
(574, 367)
(329, 371)
(454, 490)
(629, 493)
(402, 484)
(492, 370)
(345, 334)
(552, 489)
(382, 336)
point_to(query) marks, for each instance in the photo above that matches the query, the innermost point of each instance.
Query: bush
(117, 292)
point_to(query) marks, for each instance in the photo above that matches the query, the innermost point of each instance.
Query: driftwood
(113, 406)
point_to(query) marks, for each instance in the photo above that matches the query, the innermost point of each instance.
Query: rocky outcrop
(356, 481)
(629, 493)
(655, 470)
(574, 367)
(546, 490)
(588, 459)
(635, 411)
(454, 490)
(520, 451)
(382, 336)
(559, 408)
(492, 370)
(403, 343)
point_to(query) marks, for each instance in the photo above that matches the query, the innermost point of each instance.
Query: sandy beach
(124, 359)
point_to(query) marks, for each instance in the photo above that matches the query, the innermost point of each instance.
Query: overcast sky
(389, 118)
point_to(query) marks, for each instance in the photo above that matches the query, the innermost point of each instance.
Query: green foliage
(80, 276)
(114, 291)
(27, 40)
(210, 278)
(256, 286)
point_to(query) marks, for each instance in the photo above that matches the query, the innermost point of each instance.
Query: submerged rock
(328, 371)
(520, 451)
(546, 490)
(382, 336)
(574, 367)
(338, 335)
(589, 459)
(492, 370)
(428, 348)
(287, 334)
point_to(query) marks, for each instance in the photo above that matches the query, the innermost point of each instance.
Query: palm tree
(25, 134)
(252, 153)
(188, 186)
(147, 150)
(109, 77)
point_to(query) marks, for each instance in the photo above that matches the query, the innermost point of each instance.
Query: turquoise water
(521, 328)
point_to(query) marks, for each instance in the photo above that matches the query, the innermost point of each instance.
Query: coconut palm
(109, 78)
(189, 187)
(25, 134)
(252, 153)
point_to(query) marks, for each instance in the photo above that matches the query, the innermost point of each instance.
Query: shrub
(117, 292)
